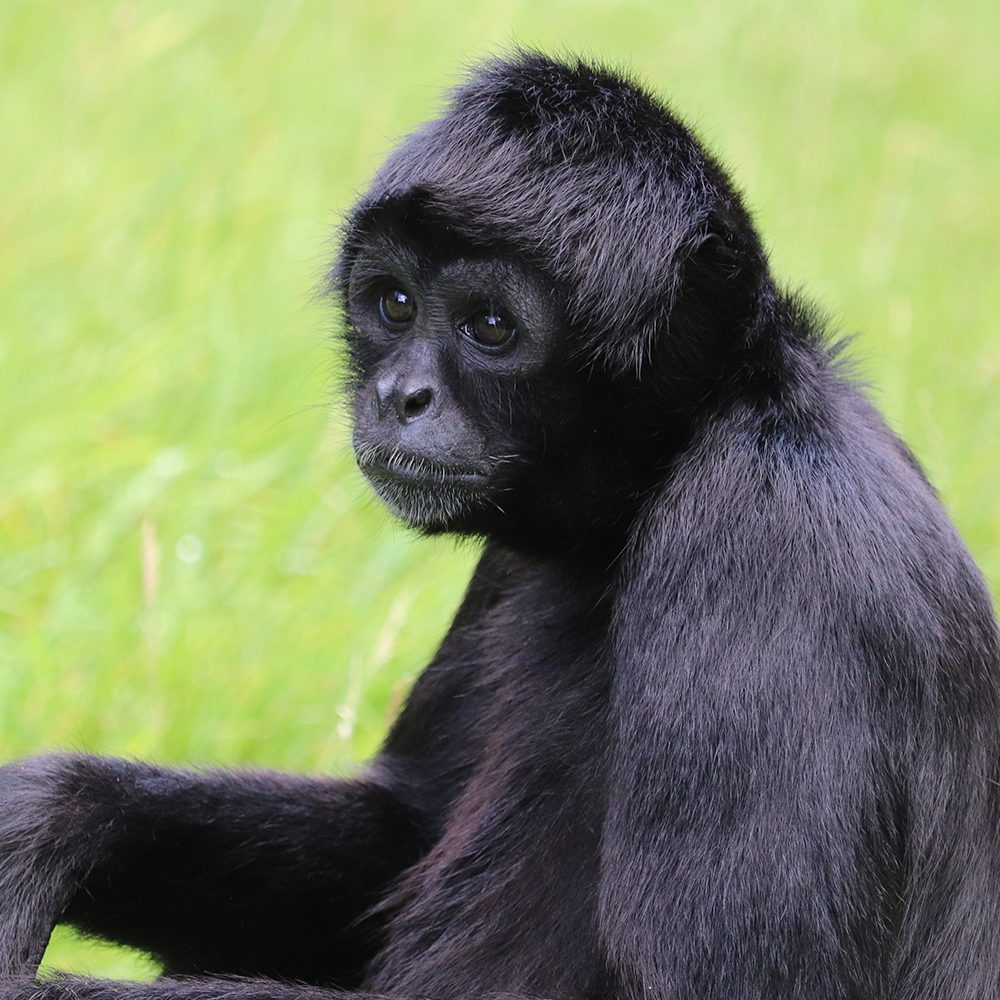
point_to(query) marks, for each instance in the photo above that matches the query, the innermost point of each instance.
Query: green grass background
(190, 568)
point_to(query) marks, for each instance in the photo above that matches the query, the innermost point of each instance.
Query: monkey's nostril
(417, 402)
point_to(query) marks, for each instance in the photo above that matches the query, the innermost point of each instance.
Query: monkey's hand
(56, 812)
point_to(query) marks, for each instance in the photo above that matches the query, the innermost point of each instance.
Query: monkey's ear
(690, 285)
(726, 266)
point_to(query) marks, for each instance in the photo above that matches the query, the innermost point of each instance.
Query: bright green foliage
(190, 567)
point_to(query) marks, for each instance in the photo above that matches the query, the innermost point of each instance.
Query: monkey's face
(447, 350)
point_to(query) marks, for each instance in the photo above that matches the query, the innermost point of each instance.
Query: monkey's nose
(407, 404)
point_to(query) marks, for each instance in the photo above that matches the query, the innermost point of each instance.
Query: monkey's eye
(396, 308)
(489, 329)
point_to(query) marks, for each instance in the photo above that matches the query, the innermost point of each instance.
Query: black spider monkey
(718, 717)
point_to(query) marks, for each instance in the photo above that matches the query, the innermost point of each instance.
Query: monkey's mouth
(393, 465)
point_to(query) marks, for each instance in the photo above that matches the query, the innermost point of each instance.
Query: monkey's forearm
(228, 872)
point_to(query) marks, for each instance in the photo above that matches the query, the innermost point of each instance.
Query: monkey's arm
(242, 873)
(760, 800)
(235, 872)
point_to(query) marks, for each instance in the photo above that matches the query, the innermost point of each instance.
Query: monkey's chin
(431, 507)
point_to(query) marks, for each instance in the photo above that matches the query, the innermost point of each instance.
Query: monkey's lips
(393, 465)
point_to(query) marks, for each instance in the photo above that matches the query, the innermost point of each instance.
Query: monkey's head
(538, 288)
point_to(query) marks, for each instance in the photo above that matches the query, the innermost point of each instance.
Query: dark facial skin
(442, 345)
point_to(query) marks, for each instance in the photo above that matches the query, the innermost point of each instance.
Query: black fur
(718, 717)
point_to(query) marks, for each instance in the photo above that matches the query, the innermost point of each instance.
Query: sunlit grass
(190, 568)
